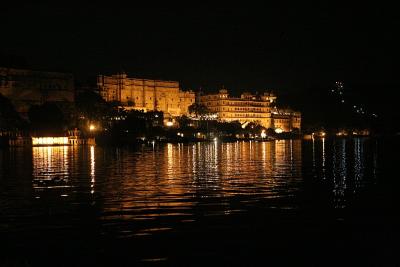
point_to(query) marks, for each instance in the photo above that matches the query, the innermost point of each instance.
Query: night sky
(296, 51)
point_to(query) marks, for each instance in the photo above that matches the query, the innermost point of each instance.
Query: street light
(92, 127)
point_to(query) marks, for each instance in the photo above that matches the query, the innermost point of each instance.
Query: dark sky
(290, 49)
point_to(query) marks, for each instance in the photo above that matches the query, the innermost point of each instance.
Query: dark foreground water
(321, 203)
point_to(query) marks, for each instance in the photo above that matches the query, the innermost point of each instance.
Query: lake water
(322, 202)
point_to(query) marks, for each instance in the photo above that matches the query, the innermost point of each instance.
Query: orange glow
(37, 141)
(263, 134)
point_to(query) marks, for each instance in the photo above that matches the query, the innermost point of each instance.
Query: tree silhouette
(10, 120)
(47, 119)
(198, 109)
(91, 106)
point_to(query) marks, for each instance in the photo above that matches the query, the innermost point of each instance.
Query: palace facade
(146, 95)
(286, 120)
(27, 87)
(252, 108)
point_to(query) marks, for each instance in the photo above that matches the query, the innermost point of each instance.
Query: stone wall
(27, 87)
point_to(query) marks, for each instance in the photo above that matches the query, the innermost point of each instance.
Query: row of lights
(339, 89)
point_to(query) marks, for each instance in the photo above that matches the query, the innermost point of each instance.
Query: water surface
(195, 204)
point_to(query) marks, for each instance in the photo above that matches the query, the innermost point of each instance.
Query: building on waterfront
(146, 95)
(28, 87)
(252, 108)
(285, 120)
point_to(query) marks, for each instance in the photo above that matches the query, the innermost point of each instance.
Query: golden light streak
(49, 141)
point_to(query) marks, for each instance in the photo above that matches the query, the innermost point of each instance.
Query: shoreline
(107, 142)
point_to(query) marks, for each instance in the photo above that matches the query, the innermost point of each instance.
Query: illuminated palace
(252, 108)
(146, 95)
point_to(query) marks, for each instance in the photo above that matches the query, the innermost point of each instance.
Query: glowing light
(49, 141)
(169, 123)
(92, 127)
(323, 133)
(263, 134)
(278, 130)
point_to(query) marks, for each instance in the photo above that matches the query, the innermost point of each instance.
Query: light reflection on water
(339, 174)
(187, 180)
(179, 181)
(344, 164)
(92, 169)
(50, 167)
